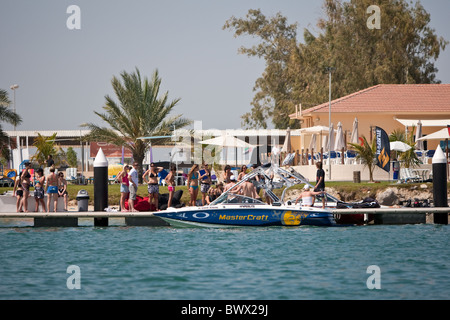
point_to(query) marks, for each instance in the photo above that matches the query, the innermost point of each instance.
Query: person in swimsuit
(52, 189)
(205, 183)
(227, 174)
(231, 184)
(308, 196)
(25, 181)
(124, 187)
(247, 189)
(62, 188)
(242, 173)
(18, 193)
(170, 180)
(192, 182)
(153, 186)
(39, 190)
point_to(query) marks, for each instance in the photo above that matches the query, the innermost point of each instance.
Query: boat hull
(247, 215)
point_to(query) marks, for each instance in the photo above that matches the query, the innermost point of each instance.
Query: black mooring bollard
(440, 185)
(100, 187)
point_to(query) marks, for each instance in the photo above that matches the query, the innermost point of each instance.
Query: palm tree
(10, 117)
(46, 146)
(366, 153)
(140, 111)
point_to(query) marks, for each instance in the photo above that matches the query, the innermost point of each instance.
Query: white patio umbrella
(419, 143)
(340, 140)
(228, 141)
(355, 132)
(322, 130)
(399, 146)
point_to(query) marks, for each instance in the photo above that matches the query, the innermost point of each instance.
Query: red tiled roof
(392, 98)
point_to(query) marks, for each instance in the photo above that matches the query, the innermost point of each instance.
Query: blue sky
(64, 74)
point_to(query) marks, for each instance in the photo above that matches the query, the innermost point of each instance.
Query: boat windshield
(237, 199)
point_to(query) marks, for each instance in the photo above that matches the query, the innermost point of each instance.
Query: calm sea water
(273, 263)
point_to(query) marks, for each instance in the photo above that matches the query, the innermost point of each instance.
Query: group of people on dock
(55, 185)
(129, 181)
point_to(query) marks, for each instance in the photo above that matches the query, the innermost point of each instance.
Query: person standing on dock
(62, 189)
(39, 190)
(52, 189)
(124, 187)
(152, 184)
(134, 181)
(320, 178)
(170, 180)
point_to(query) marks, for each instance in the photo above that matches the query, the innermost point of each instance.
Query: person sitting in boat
(213, 194)
(247, 189)
(308, 196)
(231, 184)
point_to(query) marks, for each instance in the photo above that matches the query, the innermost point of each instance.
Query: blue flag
(383, 151)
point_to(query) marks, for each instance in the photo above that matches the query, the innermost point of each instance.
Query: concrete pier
(70, 218)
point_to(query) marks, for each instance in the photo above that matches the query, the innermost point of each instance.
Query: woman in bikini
(62, 189)
(227, 174)
(39, 190)
(18, 193)
(193, 184)
(25, 181)
(242, 173)
(124, 187)
(170, 180)
(153, 186)
(205, 183)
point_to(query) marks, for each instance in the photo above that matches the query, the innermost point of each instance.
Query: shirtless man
(230, 184)
(52, 189)
(247, 189)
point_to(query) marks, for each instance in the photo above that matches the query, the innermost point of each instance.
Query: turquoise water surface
(274, 263)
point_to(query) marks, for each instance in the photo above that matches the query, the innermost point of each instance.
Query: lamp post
(329, 70)
(13, 88)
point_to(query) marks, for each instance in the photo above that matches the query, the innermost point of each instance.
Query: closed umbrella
(355, 133)
(340, 140)
(419, 143)
(312, 144)
(287, 142)
(330, 144)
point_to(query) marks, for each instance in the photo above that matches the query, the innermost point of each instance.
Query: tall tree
(403, 50)
(10, 117)
(278, 40)
(141, 110)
